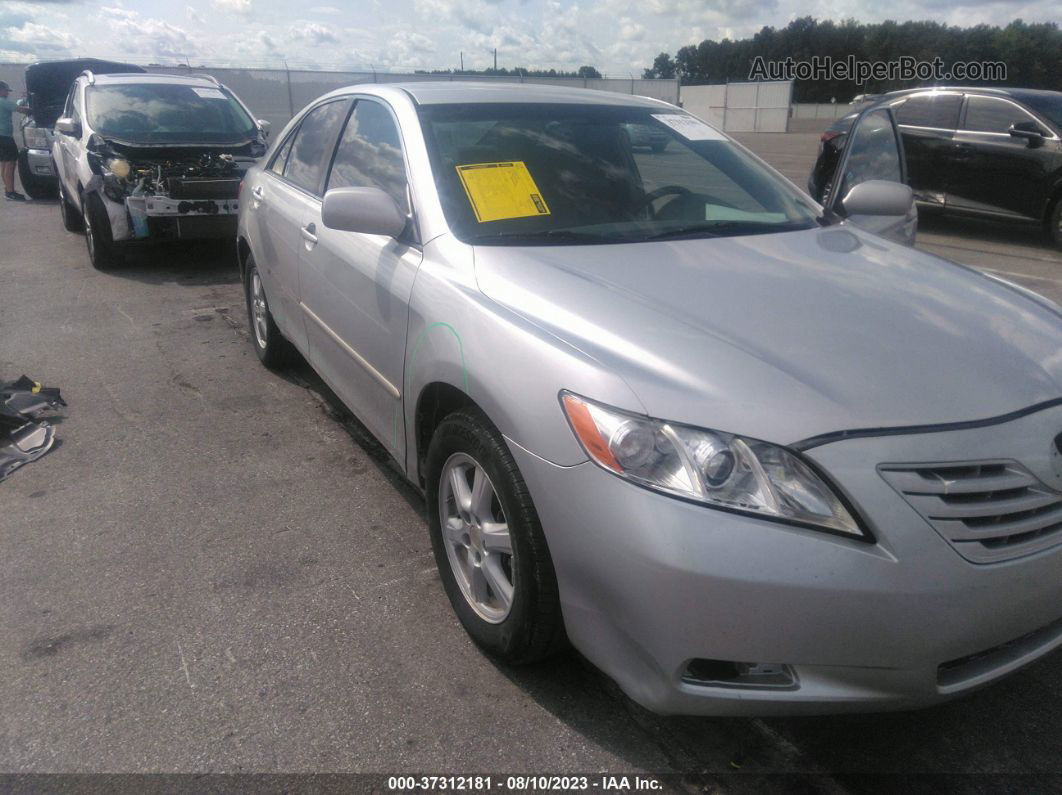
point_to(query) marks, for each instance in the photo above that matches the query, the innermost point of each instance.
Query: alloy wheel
(259, 310)
(476, 536)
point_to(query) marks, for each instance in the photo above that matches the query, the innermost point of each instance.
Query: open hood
(48, 83)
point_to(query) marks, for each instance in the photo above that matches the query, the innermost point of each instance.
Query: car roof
(446, 92)
(1006, 91)
(153, 77)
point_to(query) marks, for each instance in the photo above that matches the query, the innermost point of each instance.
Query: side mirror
(1029, 130)
(366, 210)
(878, 197)
(264, 126)
(68, 126)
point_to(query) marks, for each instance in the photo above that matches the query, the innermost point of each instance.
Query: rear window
(168, 113)
(930, 110)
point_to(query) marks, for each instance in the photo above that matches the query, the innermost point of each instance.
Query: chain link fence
(277, 94)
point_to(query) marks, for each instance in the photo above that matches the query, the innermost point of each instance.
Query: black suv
(990, 152)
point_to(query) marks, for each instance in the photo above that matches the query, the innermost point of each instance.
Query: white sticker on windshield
(688, 127)
(209, 93)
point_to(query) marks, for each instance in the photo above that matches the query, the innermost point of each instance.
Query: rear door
(874, 151)
(356, 287)
(927, 122)
(993, 171)
(286, 195)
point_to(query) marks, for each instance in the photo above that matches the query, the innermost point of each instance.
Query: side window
(74, 103)
(312, 145)
(873, 153)
(988, 114)
(930, 110)
(280, 159)
(370, 153)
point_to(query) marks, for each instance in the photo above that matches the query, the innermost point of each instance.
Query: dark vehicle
(48, 83)
(988, 152)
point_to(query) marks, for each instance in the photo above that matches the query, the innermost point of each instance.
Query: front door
(993, 171)
(874, 151)
(356, 287)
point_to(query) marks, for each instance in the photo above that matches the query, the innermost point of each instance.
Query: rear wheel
(35, 187)
(72, 221)
(269, 344)
(488, 542)
(104, 253)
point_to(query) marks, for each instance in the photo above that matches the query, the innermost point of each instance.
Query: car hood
(48, 83)
(792, 335)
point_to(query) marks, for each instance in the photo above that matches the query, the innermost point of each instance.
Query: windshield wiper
(541, 235)
(722, 229)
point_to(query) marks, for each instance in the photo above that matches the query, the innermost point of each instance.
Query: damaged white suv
(152, 157)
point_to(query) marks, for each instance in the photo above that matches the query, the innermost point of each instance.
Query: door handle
(963, 150)
(258, 194)
(308, 233)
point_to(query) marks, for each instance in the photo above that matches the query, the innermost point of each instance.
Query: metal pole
(495, 59)
(291, 100)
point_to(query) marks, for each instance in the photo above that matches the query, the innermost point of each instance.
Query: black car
(989, 152)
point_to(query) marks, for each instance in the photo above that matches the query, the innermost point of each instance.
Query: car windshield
(168, 113)
(550, 174)
(1049, 105)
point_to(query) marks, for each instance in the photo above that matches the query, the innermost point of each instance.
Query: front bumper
(39, 162)
(649, 583)
(164, 218)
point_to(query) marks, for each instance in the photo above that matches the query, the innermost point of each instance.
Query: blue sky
(619, 37)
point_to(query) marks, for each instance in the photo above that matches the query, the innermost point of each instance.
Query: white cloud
(193, 16)
(33, 36)
(326, 10)
(239, 6)
(13, 56)
(149, 36)
(314, 33)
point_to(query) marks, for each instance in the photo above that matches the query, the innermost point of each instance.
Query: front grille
(988, 510)
(180, 188)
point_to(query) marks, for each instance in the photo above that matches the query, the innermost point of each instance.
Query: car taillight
(239, 190)
(829, 135)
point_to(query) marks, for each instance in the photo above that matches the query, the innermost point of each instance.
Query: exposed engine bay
(155, 192)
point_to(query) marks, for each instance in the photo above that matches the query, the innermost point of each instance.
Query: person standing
(8, 147)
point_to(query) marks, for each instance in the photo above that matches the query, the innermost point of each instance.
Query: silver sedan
(744, 454)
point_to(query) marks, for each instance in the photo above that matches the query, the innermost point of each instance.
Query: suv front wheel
(104, 253)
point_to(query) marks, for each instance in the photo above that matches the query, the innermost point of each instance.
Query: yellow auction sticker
(501, 190)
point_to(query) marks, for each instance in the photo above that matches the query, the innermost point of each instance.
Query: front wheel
(1054, 221)
(104, 253)
(488, 542)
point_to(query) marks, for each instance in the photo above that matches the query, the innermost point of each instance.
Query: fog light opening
(724, 673)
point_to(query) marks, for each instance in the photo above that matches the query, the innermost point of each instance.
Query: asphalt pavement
(216, 571)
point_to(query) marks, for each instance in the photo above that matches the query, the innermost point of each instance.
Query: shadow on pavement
(199, 263)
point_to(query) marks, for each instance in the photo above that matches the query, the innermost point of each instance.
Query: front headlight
(716, 468)
(35, 137)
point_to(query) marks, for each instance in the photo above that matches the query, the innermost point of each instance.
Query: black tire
(72, 220)
(1054, 223)
(104, 253)
(269, 344)
(34, 186)
(533, 627)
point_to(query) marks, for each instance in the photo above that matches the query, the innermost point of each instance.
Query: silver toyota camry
(744, 454)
